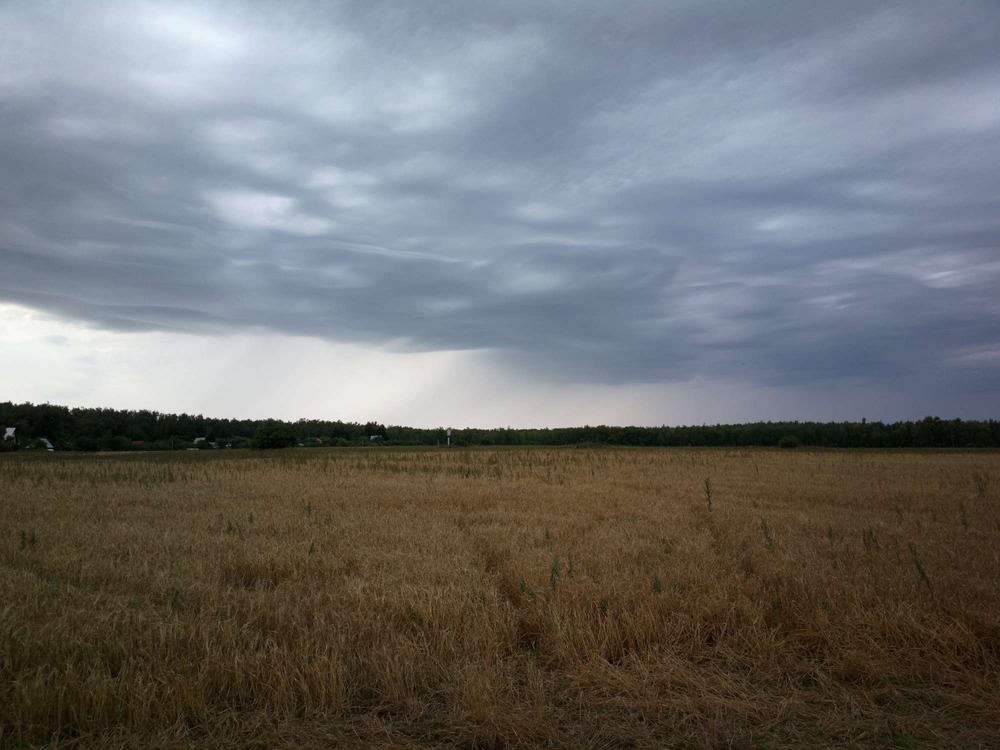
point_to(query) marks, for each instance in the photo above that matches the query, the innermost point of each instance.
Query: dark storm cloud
(613, 192)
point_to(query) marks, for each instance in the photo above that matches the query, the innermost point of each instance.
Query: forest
(99, 429)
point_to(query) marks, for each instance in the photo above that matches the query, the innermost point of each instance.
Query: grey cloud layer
(604, 192)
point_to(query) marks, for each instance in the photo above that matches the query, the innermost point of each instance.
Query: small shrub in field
(766, 530)
(789, 442)
(921, 570)
(28, 541)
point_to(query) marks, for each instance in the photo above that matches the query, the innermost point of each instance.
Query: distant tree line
(116, 430)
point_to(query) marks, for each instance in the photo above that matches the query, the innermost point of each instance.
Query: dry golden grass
(509, 598)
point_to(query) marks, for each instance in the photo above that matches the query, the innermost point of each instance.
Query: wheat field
(562, 598)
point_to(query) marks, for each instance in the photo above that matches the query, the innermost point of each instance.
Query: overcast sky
(491, 213)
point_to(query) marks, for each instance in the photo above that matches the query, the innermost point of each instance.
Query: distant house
(8, 433)
(46, 443)
(374, 438)
(199, 440)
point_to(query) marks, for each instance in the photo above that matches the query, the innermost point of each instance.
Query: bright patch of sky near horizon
(512, 213)
(264, 375)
